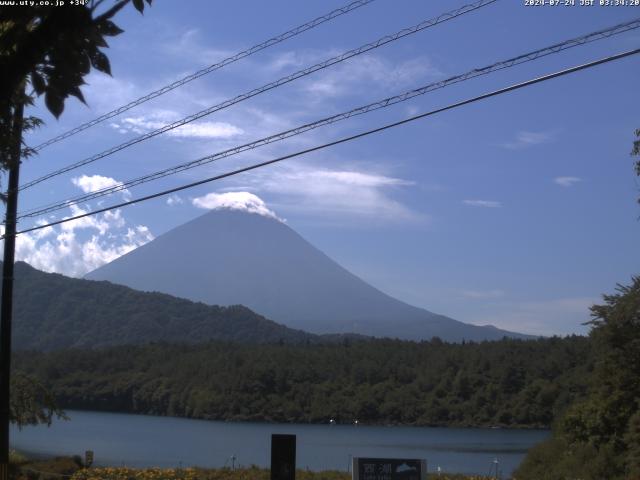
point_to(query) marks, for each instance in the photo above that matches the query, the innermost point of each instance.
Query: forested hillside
(52, 311)
(508, 383)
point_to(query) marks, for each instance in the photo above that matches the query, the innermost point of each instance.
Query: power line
(216, 66)
(335, 118)
(452, 106)
(520, 59)
(270, 86)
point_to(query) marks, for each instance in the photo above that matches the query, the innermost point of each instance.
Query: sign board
(389, 469)
(283, 457)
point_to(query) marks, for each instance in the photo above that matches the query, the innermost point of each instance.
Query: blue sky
(518, 211)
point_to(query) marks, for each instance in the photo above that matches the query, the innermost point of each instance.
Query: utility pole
(13, 153)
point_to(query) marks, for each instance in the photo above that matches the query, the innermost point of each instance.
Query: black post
(283, 457)
(13, 160)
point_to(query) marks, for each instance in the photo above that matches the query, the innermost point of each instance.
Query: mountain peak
(238, 201)
(238, 254)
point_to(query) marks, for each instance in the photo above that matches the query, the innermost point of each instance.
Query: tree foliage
(601, 433)
(507, 383)
(31, 403)
(52, 49)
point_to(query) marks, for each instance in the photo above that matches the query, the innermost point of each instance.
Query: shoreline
(337, 424)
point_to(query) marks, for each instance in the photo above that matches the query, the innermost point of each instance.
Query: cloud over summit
(243, 201)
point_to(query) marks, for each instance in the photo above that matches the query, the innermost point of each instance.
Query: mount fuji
(229, 257)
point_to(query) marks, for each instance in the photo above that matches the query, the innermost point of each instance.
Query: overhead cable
(520, 59)
(269, 86)
(211, 68)
(343, 140)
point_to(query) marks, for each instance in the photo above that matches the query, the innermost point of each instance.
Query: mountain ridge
(228, 256)
(52, 311)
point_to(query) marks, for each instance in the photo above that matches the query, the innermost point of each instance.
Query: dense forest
(506, 383)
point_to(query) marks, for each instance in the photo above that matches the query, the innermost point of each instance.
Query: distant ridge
(54, 312)
(228, 257)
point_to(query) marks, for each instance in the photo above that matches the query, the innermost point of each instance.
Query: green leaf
(107, 27)
(54, 102)
(31, 123)
(100, 62)
(76, 92)
(139, 4)
(38, 83)
(98, 40)
(84, 64)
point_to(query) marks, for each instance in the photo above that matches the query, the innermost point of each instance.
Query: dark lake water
(140, 441)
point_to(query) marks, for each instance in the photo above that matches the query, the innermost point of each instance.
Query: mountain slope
(52, 311)
(228, 257)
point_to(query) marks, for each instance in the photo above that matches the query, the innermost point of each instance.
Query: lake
(141, 441)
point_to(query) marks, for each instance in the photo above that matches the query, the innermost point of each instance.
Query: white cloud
(115, 218)
(483, 203)
(483, 294)
(357, 179)
(77, 247)
(566, 181)
(191, 47)
(207, 130)
(287, 59)
(526, 139)
(338, 194)
(43, 232)
(174, 200)
(244, 201)
(93, 183)
(100, 223)
(350, 76)
(156, 120)
(411, 110)
(104, 92)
